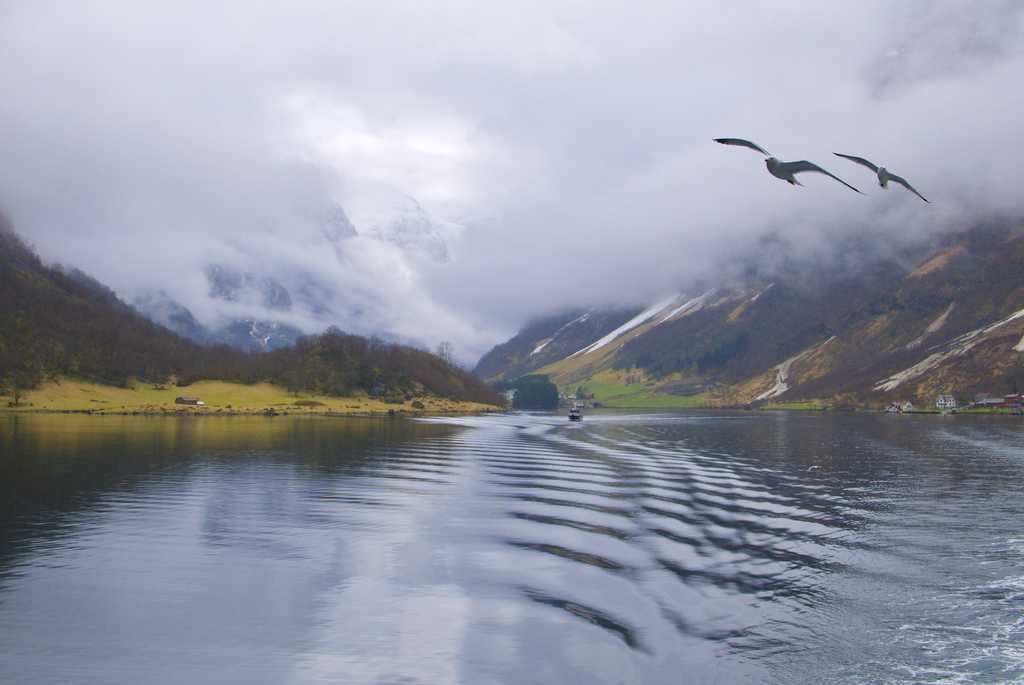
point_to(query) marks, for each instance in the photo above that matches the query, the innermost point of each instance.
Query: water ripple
(632, 548)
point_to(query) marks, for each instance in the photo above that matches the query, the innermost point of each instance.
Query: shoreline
(415, 413)
(390, 413)
(223, 398)
(816, 409)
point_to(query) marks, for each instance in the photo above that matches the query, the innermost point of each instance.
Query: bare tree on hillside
(444, 351)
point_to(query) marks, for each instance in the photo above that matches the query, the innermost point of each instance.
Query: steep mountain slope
(865, 336)
(547, 340)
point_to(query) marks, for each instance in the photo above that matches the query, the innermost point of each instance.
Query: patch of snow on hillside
(544, 343)
(688, 307)
(579, 319)
(782, 373)
(781, 381)
(637, 320)
(954, 348)
(932, 327)
(1019, 347)
(762, 292)
(927, 364)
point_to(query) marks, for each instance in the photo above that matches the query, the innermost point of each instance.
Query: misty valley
(540, 342)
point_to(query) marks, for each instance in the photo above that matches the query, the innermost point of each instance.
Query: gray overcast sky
(561, 150)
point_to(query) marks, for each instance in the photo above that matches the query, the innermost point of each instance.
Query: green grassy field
(809, 405)
(611, 390)
(219, 397)
(652, 400)
(987, 410)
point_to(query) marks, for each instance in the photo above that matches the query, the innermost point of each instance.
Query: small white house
(945, 402)
(906, 406)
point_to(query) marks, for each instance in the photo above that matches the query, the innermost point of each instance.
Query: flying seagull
(883, 174)
(787, 171)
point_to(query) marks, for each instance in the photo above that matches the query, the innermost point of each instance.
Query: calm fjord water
(657, 548)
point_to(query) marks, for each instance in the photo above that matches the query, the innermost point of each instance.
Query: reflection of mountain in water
(631, 548)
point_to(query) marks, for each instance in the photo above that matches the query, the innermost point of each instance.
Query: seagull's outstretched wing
(743, 143)
(859, 160)
(804, 165)
(903, 182)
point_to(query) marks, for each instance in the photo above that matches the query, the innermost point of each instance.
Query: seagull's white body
(782, 170)
(884, 175)
(787, 171)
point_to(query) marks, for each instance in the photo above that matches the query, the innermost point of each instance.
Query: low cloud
(495, 162)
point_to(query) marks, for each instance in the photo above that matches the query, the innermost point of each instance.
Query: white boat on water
(576, 412)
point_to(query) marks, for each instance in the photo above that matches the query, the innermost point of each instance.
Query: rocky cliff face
(258, 305)
(252, 335)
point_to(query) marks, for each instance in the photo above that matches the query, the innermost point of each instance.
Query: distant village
(948, 404)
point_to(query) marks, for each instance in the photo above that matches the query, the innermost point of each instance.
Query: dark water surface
(652, 548)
